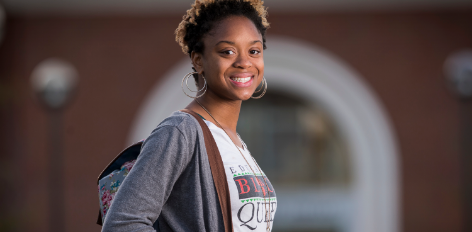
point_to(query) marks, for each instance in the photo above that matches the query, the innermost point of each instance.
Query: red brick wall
(119, 59)
(401, 56)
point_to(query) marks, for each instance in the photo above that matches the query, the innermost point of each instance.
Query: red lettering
(254, 185)
(262, 186)
(268, 185)
(241, 185)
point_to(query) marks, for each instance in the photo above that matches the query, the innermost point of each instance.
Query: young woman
(170, 188)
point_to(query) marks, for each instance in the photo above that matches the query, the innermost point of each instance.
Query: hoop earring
(186, 83)
(263, 92)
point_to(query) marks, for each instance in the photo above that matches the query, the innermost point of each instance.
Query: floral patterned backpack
(110, 179)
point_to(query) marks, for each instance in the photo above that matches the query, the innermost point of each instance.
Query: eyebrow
(233, 43)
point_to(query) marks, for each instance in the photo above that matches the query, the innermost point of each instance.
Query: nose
(242, 61)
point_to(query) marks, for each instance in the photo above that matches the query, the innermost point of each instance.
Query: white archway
(316, 75)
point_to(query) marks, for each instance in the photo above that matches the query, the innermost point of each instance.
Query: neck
(225, 112)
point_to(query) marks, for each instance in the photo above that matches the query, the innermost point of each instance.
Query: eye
(255, 52)
(228, 52)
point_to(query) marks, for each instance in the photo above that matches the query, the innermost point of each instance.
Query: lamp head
(458, 72)
(54, 81)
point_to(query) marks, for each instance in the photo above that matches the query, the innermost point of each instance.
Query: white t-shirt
(246, 192)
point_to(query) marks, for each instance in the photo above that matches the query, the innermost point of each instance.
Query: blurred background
(366, 125)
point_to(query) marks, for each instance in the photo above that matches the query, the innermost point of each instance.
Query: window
(298, 146)
(294, 142)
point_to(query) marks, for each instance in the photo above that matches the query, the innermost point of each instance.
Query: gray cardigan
(171, 182)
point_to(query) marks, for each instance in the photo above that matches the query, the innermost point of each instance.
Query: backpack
(115, 172)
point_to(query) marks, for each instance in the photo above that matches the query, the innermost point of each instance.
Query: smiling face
(232, 61)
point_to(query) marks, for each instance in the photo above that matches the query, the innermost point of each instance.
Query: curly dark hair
(205, 14)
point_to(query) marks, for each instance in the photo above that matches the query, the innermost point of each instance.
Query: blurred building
(358, 131)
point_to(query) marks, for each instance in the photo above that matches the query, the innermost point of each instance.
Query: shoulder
(185, 123)
(178, 131)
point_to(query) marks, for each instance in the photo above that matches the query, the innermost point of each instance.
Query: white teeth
(242, 80)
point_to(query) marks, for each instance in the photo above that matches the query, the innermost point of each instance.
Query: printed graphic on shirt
(253, 199)
(256, 196)
(251, 186)
(253, 222)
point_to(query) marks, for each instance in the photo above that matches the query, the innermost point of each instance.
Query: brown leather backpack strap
(217, 171)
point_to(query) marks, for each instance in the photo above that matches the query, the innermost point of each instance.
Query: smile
(241, 80)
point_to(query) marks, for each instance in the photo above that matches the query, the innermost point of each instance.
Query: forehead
(238, 29)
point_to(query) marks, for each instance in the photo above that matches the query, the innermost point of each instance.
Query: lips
(242, 79)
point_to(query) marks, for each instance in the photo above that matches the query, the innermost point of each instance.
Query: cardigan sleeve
(138, 203)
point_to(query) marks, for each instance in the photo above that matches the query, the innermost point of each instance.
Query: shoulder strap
(217, 171)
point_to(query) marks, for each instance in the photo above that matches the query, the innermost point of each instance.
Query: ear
(197, 61)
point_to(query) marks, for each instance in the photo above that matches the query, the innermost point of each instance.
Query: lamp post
(53, 82)
(458, 72)
(2, 22)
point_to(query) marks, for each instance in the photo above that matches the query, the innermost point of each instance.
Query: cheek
(218, 67)
(214, 72)
(209, 68)
(260, 67)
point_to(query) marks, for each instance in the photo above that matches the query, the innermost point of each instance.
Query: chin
(246, 97)
(243, 95)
